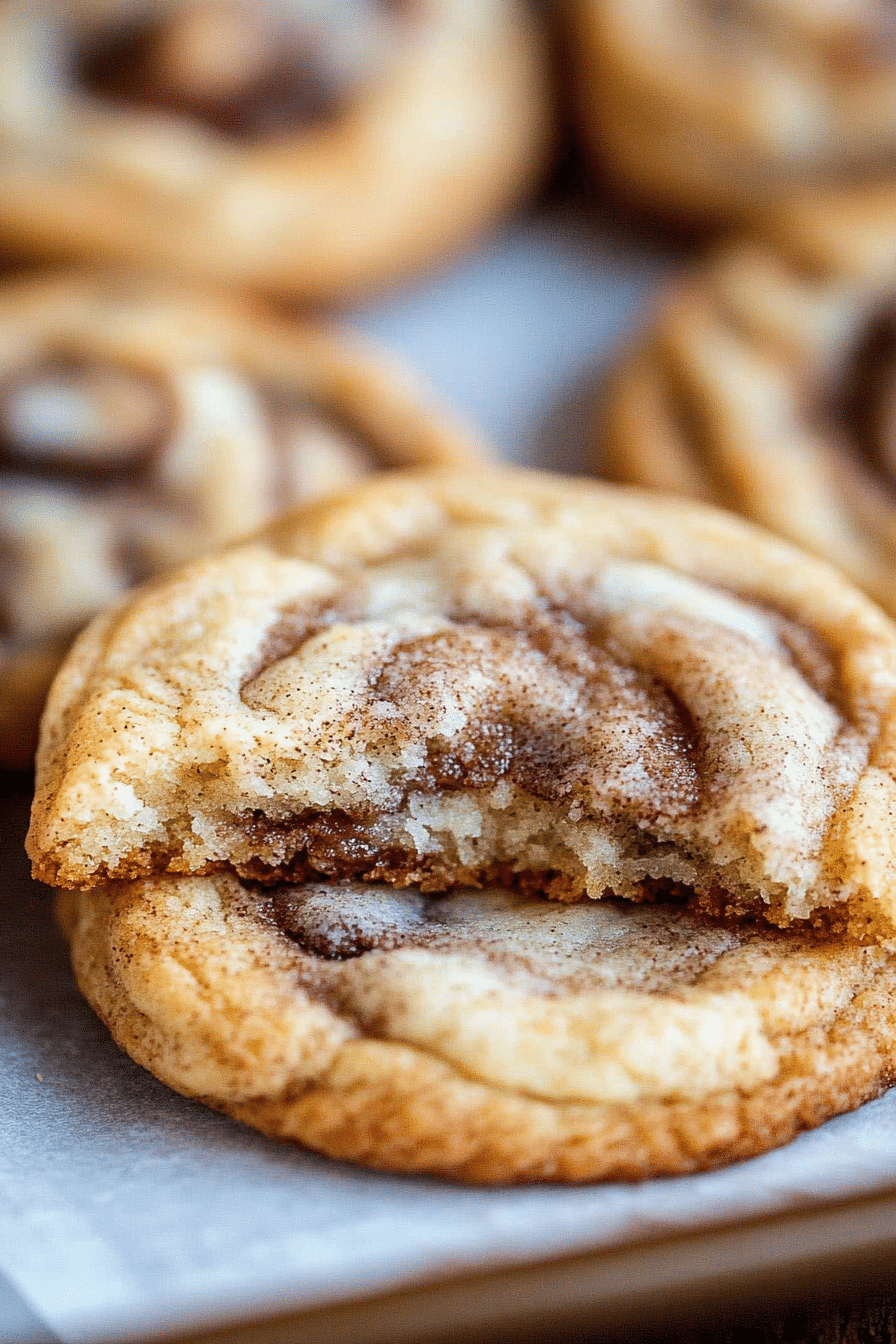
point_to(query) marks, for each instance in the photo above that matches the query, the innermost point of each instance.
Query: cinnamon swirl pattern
(452, 681)
(766, 383)
(312, 149)
(139, 427)
(485, 1035)
(707, 111)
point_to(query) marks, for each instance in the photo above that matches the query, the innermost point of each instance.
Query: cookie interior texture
(483, 1034)
(457, 681)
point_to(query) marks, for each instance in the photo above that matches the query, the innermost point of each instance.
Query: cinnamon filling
(563, 944)
(246, 69)
(344, 848)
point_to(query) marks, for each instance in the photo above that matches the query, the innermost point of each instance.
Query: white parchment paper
(125, 1209)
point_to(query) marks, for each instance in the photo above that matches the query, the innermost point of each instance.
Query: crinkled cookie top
(445, 680)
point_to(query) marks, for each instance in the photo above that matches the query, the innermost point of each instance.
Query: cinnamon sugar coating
(444, 680)
(482, 1035)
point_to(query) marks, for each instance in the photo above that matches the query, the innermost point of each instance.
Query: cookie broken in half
(445, 827)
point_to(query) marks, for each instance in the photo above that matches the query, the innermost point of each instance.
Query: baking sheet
(126, 1210)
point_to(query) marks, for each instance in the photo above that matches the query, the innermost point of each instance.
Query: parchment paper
(125, 1209)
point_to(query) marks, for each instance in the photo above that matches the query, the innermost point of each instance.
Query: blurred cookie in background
(140, 426)
(703, 110)
(312, 148)
(767, 384)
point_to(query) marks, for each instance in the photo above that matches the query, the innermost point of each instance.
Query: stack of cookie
(500, 827)
(466, 822)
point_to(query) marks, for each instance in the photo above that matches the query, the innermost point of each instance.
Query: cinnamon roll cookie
(704, 110)
(767, 383)
(308, 147)
(140, 427)
(451, 680)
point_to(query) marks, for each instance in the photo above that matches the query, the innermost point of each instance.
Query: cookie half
(767, 383)
(444, 680)
(140, 426)
(314, 150)
(485, 1035)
